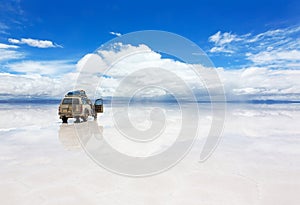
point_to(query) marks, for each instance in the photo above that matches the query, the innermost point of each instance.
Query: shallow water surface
(256, 162)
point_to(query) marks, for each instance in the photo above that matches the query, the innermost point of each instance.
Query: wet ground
(256, 162)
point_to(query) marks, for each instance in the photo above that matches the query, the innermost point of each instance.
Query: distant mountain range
(37, 100)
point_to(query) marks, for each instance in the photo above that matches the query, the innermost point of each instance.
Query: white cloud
(115, 33)
(8, 54)
(278, 48)
(5, 46)
(34, 42)
(35, 85)
(215, 38)
(264, 35)
(3, 28)
(261, 83)
(275, 56)
(272, 38)
(245, 84)
(221, 49)
(53, 67)
(14, 41)
(223, 38)
(222, 42)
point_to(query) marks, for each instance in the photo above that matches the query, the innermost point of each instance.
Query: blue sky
(48, 38)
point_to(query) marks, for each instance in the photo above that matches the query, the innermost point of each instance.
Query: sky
(254, 45)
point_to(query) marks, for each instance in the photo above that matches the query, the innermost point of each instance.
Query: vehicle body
(77, 105)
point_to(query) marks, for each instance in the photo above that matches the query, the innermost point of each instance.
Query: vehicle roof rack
(80, 93)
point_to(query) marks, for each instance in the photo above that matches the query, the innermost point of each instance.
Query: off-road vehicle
(77, 105)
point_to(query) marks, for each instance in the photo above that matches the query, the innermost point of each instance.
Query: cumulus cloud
(244, 84)
(35, 85)
(34, 42)
(275, 56)
(115, 33)
(111, 66)
(107, 68)
(261, 83)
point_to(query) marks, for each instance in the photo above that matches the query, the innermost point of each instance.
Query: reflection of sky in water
(256, 162)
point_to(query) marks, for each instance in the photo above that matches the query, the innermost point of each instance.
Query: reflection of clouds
(257, 159)
(263, 120)
(23, 115)
(146, 133)
(68, 138)
(261, 113)
(68, 134)
(264, 129)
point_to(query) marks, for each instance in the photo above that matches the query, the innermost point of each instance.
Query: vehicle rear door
(99, 106)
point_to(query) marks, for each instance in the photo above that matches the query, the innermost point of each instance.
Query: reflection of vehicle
(69, 138)
(77, 105)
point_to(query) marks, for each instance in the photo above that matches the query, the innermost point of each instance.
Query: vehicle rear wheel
(64, 119)
(77, 120)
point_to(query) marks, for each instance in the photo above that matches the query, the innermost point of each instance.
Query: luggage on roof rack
(76, 93)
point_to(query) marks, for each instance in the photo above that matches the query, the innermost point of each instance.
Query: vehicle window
(99, 102)
(70, 101)
(83, 101)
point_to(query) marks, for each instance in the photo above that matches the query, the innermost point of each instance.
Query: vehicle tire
(64, 119)
(95, 116)
(77, 120)
(86, 115)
